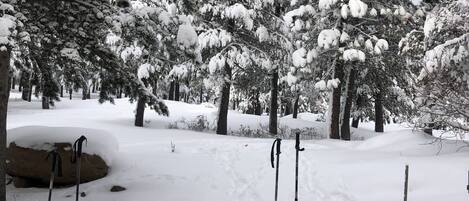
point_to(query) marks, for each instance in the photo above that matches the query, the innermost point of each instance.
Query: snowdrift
(99, 142)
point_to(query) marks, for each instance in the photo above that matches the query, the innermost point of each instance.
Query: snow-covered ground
(209, 167)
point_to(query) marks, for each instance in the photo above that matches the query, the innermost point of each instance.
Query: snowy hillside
(209, 167)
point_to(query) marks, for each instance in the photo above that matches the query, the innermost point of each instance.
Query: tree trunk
(88, 94)
(258, 108)
(140, 112)
(61, 91)
(356, 120)
(222, 124)
(30, 93)
(45, 102)
(13, 82)
(20, 84)
(119, 93)
(295, 106)
(171, 90)
(155, 87)
(345, 130)
(70, 92)
(4, 69)
(26, 83)
(335, 116)
(288, 108)
(379, 113)
(94, 86)
(273, 103)
(201, 97)
(234, 104)
(176, 90)
(84, 93)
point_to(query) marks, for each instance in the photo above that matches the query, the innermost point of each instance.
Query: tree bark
(140, 112)
(154, 88)
(13, 82)
(295, 106)
(273, 103)
(258, 108)
(88, 94)
(345, 130)
(288, 107)
(379, 113)
(94, 86)
(61, 91)
(356, 120)
(335, 116)
(20, 84)
(119, 93)
(222, 124)
(70, 92)
(176, 90)
(171, 90)
(234, 105)
(45, 102)
(4, 95)
(201, 95)
(30, 94)
(84, 93)
(26, 84)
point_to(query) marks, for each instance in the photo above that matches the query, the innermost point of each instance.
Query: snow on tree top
(99, 142)
(299, 57)
(328, 38)
(444, 55)
(416, 2)
(321, 85)
(6, 7)
(214, 38)
(302, 10)
(187, 37)
(326, 4)
(380, 46)
(354, 55)
(7, 23)
(357, 8)
(144, 70)
(238, 11)
(262, 33)
(461, 3)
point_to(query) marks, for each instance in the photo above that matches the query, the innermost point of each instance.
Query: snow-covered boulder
(28, 148)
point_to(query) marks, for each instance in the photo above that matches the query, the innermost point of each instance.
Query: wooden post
(406, 184)
(467, 187)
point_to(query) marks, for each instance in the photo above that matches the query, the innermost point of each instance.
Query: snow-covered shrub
(199, 123)
(247, 131)
(284, 132)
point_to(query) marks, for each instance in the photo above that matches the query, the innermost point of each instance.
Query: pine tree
(443, 79)
(10, 26)
(145, 38)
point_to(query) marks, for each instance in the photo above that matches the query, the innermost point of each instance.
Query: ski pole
(56, 169)
(298, 149)
(278, 143)
(76, 158)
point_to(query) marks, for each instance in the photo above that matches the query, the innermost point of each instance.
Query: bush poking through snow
(200, 123)
(284, 132)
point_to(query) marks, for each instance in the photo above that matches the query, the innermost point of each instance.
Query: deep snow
(98, 142)
(208, 167)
